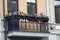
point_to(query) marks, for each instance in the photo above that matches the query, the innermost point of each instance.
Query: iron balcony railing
(19, 23)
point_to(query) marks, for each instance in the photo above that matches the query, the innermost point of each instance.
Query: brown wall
(6, 10)
(22, 5)
(3, 8)
(40, 6)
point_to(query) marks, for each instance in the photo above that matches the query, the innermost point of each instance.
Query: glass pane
(31, 9)
(12, 6)
(57, 14)
(31, 1)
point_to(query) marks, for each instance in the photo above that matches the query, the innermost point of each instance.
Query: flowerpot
(19, 16)
(22, 17)
(30, 18)
(16, 17)
(8, 18)
(44, 19)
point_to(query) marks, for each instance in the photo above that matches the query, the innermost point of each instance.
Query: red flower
(20, 12)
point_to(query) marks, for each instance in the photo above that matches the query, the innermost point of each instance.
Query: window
(57, 14)
(12, 6)
(33, 1)
(31, 6)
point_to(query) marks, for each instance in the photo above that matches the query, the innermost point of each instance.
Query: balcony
(24, 24)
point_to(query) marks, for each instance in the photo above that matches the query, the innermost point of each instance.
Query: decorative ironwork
(16, 23)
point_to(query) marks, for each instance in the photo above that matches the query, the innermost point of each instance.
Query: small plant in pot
(32, 17)
(7, 16)
(43, 18)
(22, 15)
(10, 15)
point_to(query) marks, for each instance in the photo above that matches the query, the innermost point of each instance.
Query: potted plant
(43, 18)
(25, 15)
(22, 15)
(15, 15)
(7, 16)
(32, 17)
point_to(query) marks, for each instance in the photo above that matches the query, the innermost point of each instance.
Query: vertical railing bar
(47, 27)
(18, 24)
(43, 27)
(37, 25)
(7, 25)
(13, 22)
(33, 25)
(40, 27)
(29, 24)
(25, 24)
(21, 24)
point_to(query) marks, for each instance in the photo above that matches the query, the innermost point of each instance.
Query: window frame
(33, 4)
(55, 13)
(16, 5)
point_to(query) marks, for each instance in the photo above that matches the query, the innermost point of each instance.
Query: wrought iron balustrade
(16, 23)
